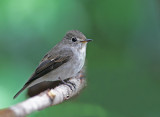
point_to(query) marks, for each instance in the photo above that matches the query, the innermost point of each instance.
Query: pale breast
(72, 67)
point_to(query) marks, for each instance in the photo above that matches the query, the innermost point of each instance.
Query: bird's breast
(80, 59)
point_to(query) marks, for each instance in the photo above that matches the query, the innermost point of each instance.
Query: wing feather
(49, 63)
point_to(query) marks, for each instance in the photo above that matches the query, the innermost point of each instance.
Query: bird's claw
(67, 83)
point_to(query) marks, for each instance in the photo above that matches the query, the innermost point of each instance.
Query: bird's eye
(74, 39)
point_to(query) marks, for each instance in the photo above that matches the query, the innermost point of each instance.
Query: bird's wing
(51, 61)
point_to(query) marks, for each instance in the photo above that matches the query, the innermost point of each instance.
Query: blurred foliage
(123, 61)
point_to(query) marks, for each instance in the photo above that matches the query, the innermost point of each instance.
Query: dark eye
(74, 39)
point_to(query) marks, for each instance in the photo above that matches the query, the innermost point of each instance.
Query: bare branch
(46, 98)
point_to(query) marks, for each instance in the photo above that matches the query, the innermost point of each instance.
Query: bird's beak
(86, 40)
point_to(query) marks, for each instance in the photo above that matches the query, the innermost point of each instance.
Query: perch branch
(45, 99)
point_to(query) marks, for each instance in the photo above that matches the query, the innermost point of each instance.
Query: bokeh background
(123, 61)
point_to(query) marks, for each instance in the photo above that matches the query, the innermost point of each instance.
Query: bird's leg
(66, 83)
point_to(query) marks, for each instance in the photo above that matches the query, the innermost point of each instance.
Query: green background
(123, 61)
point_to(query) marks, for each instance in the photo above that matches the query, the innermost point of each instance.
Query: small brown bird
(63, 61)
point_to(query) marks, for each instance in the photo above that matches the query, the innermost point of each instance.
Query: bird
(63, 61)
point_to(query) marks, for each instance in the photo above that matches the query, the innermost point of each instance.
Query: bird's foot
(69, 84)
(73, 84)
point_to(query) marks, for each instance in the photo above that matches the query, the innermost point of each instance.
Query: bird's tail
(24, 87)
